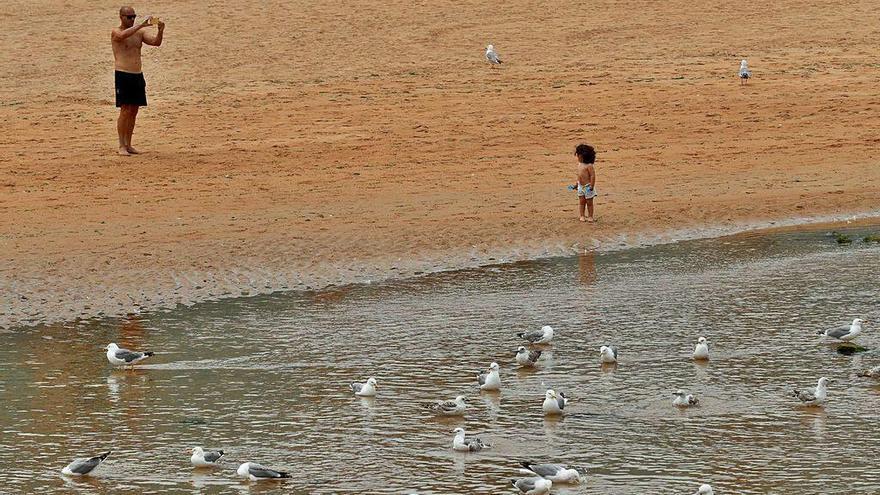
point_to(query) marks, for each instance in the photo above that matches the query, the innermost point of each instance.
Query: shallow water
(266, 379)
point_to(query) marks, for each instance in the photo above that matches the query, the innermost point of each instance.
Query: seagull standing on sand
(491, 56)
(553, 403)
(608, 354)
(367, 389)
(814, 398)
(490, 380)
(705, 490)
(684, 400)
(701, 350)
(83, 467)
(844, 332)
(744, 73)
(119, 356)
(527, 358)
(449, 407)
(556, 473)
(534, 485)
(542, 336)
(200, 458)
(256, 472)
(463, 444)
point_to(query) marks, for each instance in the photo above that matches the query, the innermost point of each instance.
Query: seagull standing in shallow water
(534, 485)
(683, 400)
(701, 350)
(119, 356)
(491, 56)
(200, 458)
(463, 444)
(449, 407)
(490, 380)
(705, 490)
(84, 467)
(256, 472)
(367, 389)
(608, 354)
(525, 357)
(556, 473)
(542, 336)
(844, 332)
(814, 398)
(553, 403)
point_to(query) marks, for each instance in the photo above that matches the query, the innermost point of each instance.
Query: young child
(586, 180)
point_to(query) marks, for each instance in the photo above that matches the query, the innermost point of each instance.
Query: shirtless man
(130, 85)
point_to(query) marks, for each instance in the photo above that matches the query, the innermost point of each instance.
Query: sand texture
(299, 144)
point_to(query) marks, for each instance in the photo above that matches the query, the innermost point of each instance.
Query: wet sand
(291, 145)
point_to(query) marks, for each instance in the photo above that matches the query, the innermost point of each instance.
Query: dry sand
(301, 144)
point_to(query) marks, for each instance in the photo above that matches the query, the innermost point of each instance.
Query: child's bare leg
(582, 203)
(589, 210)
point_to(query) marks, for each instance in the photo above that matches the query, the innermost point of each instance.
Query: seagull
(464, 444)
(527, 358)
(701, 350)
(490, 380)
(814, 398)
(684, 400)
(534, 485)
(119, 356)
(367, 389)
(705, 490)
(491, 56)
(449, 407)
(557, 473)
(608, 353)
(256, 472)
(744, 72)
(554, 403)
(542, 336)
(871, 373)
(84, 467)
(200, 458)
(844, 332)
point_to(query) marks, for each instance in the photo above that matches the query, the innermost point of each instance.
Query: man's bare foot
(591, 220)
(583, 219)
(132, 150)
(124, 151)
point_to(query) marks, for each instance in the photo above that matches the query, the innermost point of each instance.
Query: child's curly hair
(585, 153)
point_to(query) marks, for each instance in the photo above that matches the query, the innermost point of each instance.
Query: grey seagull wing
(259, 471)
(213, 456)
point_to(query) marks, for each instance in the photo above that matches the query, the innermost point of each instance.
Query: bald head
(127, 16)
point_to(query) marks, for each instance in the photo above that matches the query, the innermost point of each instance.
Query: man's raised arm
(155, 39)
(125, 33)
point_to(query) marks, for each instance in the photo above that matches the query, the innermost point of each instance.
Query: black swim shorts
(131, 89)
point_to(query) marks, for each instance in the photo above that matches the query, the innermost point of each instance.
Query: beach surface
(296, 145)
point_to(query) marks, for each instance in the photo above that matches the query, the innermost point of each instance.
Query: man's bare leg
(122, 130)
(133, 117)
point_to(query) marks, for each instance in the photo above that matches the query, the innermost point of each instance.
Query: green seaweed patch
(849, 349)
(841, 238)
(871, 238)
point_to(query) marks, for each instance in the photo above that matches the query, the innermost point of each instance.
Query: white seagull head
(550, 394)
(112, 347)
(743, 64)
(198, 451)
(857, 322)
(490, 48)
(823, 382)
(371, 381)
(702, 340)
(458, 431)
(493, 366)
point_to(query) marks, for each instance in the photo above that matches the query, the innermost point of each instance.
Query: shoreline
(260, 282)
